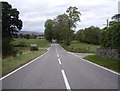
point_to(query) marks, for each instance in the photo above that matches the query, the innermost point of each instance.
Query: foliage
(111, 36)
(21, 44)
(74, 16)
(11, 24)
(49, 29)
(61, 27)
(11, 63)
(33, 48)
(27, 36)
(27, 43)
(33, 36)
(79, 47)
(116, 17)
(89, 35)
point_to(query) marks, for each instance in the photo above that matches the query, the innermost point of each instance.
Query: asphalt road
(59, 69)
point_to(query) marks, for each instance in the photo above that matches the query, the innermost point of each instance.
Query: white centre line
(57, 55)
(66, 81)
(59, 61)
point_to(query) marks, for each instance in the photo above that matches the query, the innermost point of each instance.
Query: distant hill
(30, 32)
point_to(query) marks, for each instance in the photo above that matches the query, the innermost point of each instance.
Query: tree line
(61, 28)
(90, 35)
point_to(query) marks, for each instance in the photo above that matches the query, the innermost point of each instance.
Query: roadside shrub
(67, 43)
(77, 50)
(21, 44)
(33, 48)
(15, 51)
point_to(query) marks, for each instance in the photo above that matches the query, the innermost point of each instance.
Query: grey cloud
(34, 13)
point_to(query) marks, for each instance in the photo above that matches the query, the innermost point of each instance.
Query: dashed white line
(59, 61)
(57, 55)
(66, 81)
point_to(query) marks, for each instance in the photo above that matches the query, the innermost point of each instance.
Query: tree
(116, 17)
(11, 24)
(89, 35)
(62, 27)
(74, 17)
(49, 29)
(33, 36)
(111, 37)
(27, 36)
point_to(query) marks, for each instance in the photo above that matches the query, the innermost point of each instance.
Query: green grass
(78, 47)
(77, 44)
(28, 42)
(11, 63)
(109, 63)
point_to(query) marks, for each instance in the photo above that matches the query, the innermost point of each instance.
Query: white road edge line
(66, 81)
(96, 64)
(59, 61)
(23, 66)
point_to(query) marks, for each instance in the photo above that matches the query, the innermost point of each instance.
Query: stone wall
(113, 53)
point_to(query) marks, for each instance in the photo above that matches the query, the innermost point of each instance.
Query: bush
(15, 51)
(33, 48)
(21, 44)
(77, 50)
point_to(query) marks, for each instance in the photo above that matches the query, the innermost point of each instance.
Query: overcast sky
(34, 13)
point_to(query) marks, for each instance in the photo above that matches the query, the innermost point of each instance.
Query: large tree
(61, 27)
(74, 16)
(11, 24)
(49, 29)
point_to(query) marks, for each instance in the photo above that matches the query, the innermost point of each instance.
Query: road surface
(58, 69)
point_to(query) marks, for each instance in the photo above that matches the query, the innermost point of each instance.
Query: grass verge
(11, 63)
(23, 54)
(79, 47)
(109, 63)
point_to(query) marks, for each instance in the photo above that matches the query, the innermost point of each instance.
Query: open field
(110, 63)
(28, 42)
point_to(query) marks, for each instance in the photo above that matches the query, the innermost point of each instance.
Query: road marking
(66, 81)
(96, 64)
(57, 52)
(23, 66)
(59, 61)
(57, 55)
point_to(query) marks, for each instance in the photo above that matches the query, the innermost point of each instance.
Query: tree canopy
(11, 24)
(61, 27)
(89, 35)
